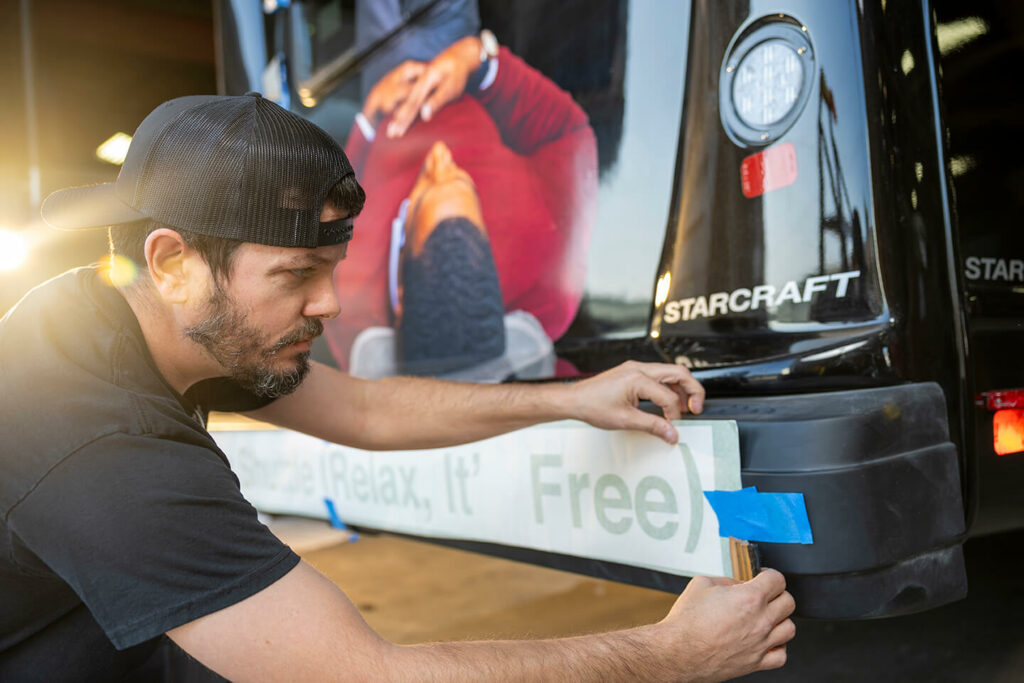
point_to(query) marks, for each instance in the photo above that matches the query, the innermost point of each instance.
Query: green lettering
(619, 502)
(645, 506)
(539, 489)
(577, 482)
(359, 483)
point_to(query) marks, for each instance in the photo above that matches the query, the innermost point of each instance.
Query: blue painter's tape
(335, 520)
(750, 515)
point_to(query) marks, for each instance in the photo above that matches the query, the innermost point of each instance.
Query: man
(120, 520)
(474, 138)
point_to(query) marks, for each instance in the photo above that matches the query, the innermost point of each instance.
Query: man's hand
(391, 90)
(302, 627)
(723, 629)
(610, 400)
(442, 81)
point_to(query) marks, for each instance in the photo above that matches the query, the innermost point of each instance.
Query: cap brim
(92, 206)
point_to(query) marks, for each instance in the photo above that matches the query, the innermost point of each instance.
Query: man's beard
(244, 351)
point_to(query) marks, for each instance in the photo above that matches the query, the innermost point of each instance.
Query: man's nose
(324, 303)
(439, 160)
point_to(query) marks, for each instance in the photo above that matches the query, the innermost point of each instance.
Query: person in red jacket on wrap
(481, 177)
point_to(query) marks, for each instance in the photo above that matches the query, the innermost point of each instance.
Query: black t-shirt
(120, 517)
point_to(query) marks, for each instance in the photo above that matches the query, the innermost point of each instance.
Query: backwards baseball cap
(236, 167)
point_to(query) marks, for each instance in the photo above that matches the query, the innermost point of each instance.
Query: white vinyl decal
(565, 487)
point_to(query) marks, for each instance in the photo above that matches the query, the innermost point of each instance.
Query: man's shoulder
(61, 319)
(62, 292)
(74, 370)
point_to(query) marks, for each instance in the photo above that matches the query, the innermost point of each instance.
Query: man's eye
(302, 273)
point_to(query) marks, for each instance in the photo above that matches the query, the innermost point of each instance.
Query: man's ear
(174, 267)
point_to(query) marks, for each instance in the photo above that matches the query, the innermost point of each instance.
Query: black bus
(811, 205)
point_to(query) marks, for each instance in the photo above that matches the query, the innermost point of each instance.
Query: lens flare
(118, 271)
(13, 250)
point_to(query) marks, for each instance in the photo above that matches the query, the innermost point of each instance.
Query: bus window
(524, 210)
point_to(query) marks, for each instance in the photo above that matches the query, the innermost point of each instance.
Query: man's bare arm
(406, 412)
(304, 628)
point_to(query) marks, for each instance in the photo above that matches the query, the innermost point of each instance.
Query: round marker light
(765, 80)
(767, 83)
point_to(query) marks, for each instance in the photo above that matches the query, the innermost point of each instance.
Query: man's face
(442, 190)
(260, 322)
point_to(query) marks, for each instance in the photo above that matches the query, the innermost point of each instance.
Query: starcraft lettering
(994, 269)
(767, 296)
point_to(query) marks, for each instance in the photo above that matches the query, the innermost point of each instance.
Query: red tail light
(1007, 420)
(1008, 431)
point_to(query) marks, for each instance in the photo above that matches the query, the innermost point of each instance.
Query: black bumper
(881, 481)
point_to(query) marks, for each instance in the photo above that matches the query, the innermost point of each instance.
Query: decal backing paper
(565, 487)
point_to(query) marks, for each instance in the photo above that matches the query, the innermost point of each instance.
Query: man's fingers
(410, 70)
(391, 90)
(774, 658)
(440, 97)
(781, 607)
(667, 399)
(694, 391)
(781, 634)
(690, 404)
(770, 583)
(691, 392)
(652, 424)
(407, 113)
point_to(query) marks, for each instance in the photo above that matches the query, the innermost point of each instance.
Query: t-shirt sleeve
(150, 533)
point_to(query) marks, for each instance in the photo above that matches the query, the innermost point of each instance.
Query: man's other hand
(730, 628)
(442, 81)
(392, 90)
(610, 400)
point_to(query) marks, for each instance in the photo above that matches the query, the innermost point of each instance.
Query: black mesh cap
(236, 167)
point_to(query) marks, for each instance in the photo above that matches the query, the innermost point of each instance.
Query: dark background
(98, 67)
(980, 638)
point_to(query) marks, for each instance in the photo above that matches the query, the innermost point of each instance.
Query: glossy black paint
(985, 115)
(719, 240)
(891, 161)
(919, 241)
(870, 196)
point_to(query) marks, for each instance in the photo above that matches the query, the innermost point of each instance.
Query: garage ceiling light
(114, 149)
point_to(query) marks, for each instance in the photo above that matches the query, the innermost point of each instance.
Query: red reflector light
(1008, 431)
(998, 400)
(772, 169)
